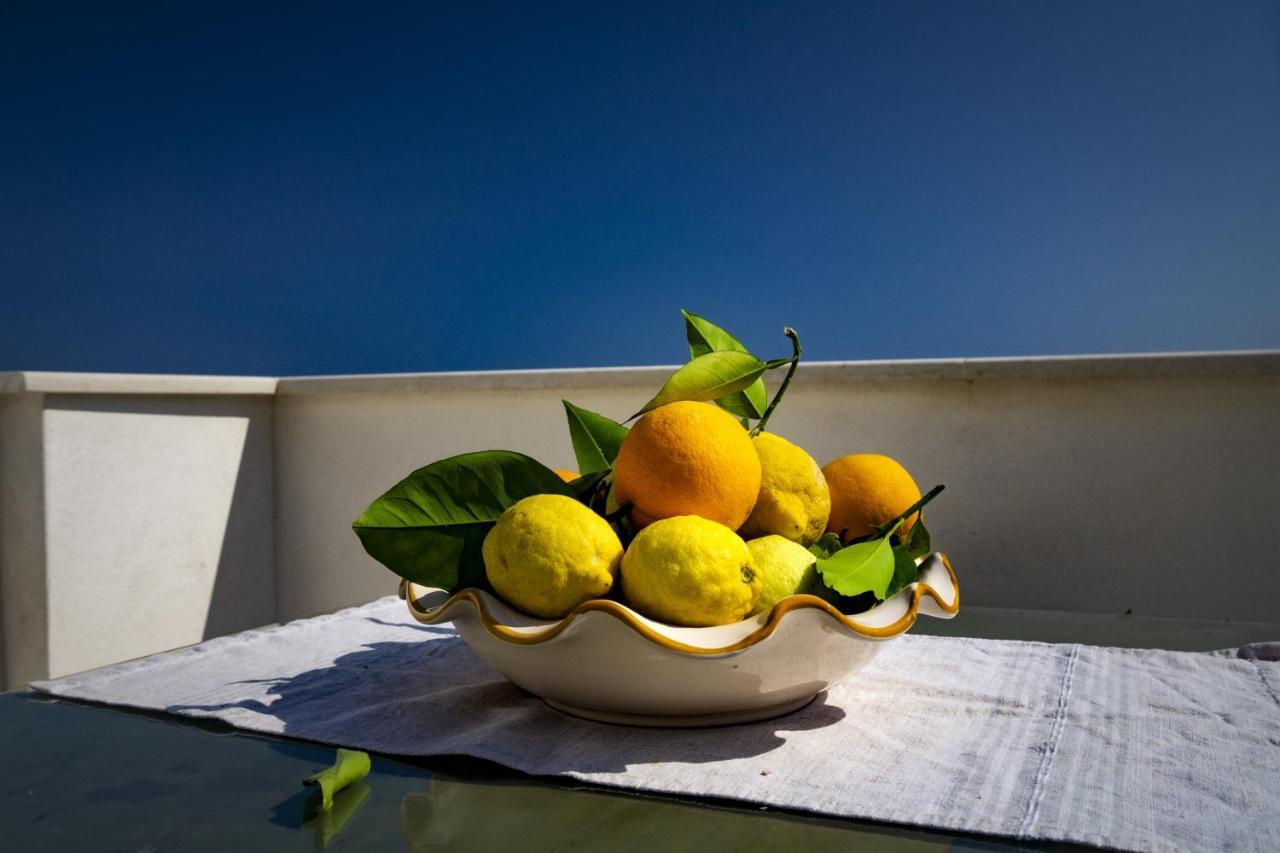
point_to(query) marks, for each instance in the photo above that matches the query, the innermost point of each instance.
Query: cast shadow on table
(435, 697)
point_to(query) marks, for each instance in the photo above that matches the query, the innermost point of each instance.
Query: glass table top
(80, 777)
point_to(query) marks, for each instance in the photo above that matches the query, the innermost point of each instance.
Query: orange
(867, 490)
(687, 458)
(567, 476)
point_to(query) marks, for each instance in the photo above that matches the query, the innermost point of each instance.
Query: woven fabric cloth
(1135, 749)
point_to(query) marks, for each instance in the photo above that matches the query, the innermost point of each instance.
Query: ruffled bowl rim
(546, 630)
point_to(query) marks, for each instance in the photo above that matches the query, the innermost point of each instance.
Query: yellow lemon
(784, 567)
(687, 459)
(687, 570)
(794, 500)
(867, 490)
(548, 553)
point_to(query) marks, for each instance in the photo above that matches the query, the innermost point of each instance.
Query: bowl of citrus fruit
(698, 569)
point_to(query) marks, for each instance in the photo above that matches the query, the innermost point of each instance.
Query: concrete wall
(23, 583)
(1106, 495)
(1093, 484)
(143, 513)
(163, 508)
(336, 453)
(131, 523)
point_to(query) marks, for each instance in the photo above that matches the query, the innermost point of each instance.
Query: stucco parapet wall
(1069, 367)
(42, 382)
(1248, 363)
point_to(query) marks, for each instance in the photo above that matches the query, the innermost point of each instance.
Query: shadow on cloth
(436, 697)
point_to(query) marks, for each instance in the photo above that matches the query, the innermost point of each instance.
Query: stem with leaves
(794, 361)
(890, 525)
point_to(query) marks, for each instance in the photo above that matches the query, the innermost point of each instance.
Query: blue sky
(335, 188)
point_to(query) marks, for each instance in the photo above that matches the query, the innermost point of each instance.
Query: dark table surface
(77, 777)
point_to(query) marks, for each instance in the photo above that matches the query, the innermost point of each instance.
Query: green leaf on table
(918, 543)
(595, 438)
(855, 569)
(428, 527)
(325, 825)
(826, 545)
(905, 571)
(706, 337)
(708, 377)
(350, 767)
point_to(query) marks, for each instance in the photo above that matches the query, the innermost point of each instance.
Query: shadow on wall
(171, 500)
(244, 586)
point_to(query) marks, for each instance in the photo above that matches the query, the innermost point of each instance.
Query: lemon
(687, 570)
(784, 567)
(794, 500)
(868, 489)
(687, 458)
(548, 553)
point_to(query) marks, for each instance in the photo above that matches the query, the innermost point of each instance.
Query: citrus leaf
(428, 527)
(918, 543)
(595, 438)
(708, 377)
(905, 571)
(864, 567)
(350, 767)
(750, 402)
(706, 337)
(826, 545)
(849, 605)
(326, 824)
(585, 486)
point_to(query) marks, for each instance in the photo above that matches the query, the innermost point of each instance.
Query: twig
(786, 380)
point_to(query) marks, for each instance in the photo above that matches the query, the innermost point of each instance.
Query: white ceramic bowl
(606, 662)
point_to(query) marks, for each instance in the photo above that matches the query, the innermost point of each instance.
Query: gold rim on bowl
(629, 617)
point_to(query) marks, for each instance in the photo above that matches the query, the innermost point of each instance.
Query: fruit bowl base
(684, 721)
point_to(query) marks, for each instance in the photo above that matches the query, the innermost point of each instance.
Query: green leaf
(905, 570)
(708, 377)
(585, 485)
(849, 605)
(325, 825)
(428, 528)
(750, 402)
(595, 438)
(350, 766)
(827, 545)
(864, 567)
(706, 337)
(918, 543)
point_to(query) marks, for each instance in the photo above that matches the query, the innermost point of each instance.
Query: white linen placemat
(1135, 749)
